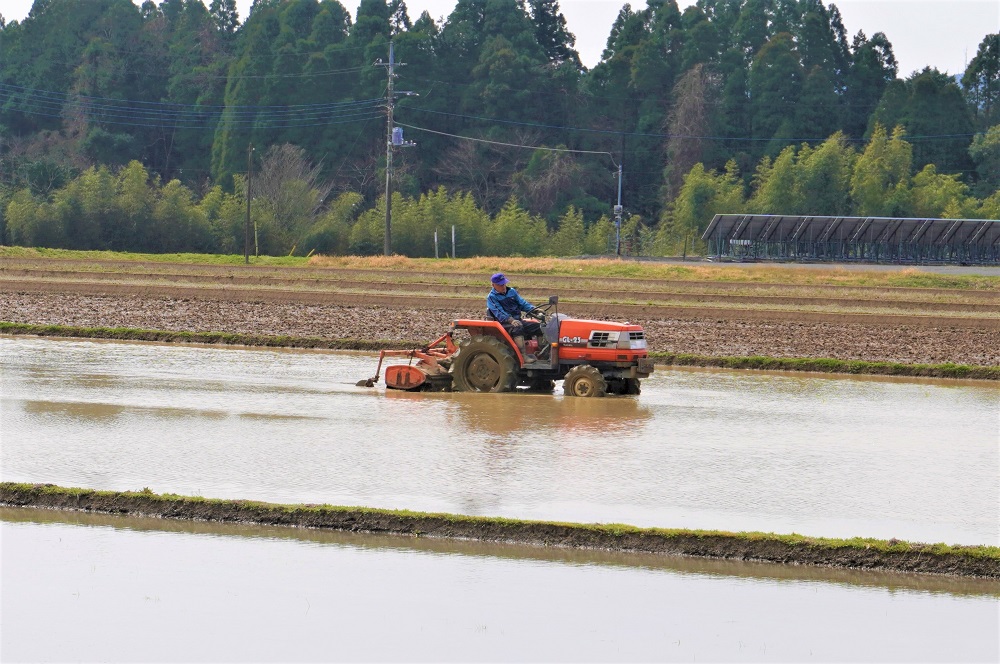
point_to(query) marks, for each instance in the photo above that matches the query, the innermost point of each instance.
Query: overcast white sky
(938, 33)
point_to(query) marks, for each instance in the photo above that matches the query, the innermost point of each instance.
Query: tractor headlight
(635, 340)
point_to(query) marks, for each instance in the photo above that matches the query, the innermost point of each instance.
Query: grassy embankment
(861, 553)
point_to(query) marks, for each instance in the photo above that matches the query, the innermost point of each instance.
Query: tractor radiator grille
(602, 339)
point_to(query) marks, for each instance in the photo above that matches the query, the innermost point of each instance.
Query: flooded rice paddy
(816, 455)
(87, 587)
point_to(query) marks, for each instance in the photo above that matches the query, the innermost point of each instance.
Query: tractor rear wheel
(584, 381)
(484, 364)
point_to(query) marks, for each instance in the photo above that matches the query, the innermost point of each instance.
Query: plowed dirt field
(907, 325)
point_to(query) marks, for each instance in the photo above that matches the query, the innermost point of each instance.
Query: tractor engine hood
(582, 333)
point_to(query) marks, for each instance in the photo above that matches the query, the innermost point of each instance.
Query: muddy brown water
(131, 589)
(834, 457)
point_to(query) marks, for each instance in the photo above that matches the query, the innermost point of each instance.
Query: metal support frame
(871, 239)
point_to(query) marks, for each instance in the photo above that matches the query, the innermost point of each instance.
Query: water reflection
(81, 412)
(84, 413)
(524, 413)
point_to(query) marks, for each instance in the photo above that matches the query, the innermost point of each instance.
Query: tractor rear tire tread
(483, 364)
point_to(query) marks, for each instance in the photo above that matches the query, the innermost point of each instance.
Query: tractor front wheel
(584, 381)
(484, 364)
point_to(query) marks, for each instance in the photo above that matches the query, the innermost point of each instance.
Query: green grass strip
(816, 365)
(865, 553)
(166, 336)
(127, 256)
(827, 365)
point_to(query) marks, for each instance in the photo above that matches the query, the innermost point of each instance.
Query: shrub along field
(855, 320)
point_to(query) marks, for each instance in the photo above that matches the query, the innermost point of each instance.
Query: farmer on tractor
(505, 305)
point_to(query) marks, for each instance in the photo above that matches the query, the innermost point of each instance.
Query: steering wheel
(541, 313)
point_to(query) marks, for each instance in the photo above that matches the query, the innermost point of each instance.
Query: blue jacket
(508, 305)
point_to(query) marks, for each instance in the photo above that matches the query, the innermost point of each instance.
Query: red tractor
(592, 358)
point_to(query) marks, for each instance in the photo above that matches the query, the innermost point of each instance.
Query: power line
(510, 145)
(187, 116)
(140, 53)
(329, 72)
(48, 94)
(48, 103)
(680, 136)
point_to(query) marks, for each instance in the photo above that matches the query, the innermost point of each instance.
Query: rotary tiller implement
(429, 372)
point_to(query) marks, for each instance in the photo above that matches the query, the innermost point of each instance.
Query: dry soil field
(781, 314)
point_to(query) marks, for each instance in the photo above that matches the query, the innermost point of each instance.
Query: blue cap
(499, 279)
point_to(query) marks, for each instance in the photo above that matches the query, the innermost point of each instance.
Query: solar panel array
(846, 239)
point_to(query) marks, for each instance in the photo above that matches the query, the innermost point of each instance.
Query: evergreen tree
(873, 67)
(243, 96)
(225, 17)
(930, 106)
(982, 82)
(701, 44)
(551, 33)
(817, 111)
(753, 28)
(775, 85)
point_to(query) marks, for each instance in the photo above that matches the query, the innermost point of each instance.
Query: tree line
(737, 96)
(134, 210)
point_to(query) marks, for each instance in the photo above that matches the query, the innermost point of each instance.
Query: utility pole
(393, 138)
(618, 216)
(246, 225)
(388, 152)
